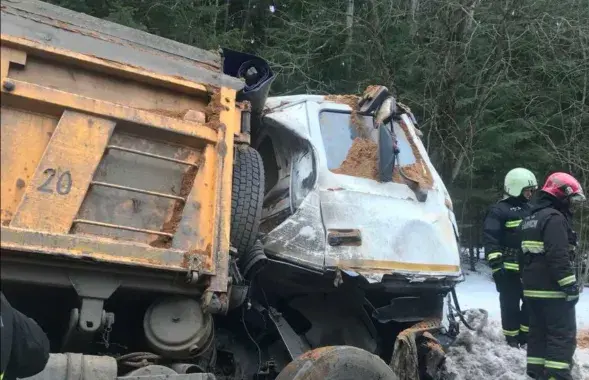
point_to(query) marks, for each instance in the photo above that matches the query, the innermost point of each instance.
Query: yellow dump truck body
(116, 146)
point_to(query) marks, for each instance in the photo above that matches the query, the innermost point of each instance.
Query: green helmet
(517, 180)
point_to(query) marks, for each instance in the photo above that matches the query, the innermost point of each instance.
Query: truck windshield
(339, 131)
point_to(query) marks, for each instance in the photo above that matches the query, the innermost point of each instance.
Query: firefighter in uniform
(25, 347)
(550, 285)
(502, 249)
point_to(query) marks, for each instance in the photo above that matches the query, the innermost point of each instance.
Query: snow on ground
(483, 354)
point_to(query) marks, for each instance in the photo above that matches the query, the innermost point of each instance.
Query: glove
(498, 271)
(572, 293)
(496, 265)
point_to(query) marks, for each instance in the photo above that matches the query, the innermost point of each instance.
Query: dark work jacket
(24, 346)
(500, 231)
(547, 238)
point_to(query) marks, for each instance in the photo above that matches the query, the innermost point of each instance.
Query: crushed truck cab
(162, 216)
(332, 211)
(327, 210)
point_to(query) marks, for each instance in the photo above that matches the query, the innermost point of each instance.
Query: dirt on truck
(163, 217)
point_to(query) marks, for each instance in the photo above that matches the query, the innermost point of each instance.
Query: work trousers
(552, 339)
(514, 313)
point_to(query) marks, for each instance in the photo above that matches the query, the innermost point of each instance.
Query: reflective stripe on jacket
(500, 233)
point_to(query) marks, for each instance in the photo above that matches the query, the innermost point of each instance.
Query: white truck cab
(325, 208)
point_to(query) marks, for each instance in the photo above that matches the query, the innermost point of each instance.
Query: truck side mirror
(386, 153)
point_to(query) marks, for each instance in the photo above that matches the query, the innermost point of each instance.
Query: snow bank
(478, 292)
(483, 354)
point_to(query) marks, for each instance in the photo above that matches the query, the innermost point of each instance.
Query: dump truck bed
(117, 145)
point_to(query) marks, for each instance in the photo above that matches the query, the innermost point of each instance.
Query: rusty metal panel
(54, 27)
(102, 86)
(194, 227)
(48, 12)
(20, 131)
(123, 167)
(230, 121)
(41, 94)
(93, 249)
(59, 185)
(11, 56)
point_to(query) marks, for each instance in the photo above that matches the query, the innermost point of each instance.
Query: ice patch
(308, 232)
(373, 278)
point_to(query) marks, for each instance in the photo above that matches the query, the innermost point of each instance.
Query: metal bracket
(237, 295)
(192, 277)
(93, 290)
(293, 343)
(76, 339)
(237, 291)
(215, 303)
(267, 371)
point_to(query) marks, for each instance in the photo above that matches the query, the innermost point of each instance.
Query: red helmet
(563, 186)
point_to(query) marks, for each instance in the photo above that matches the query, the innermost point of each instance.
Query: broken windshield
(339, 131)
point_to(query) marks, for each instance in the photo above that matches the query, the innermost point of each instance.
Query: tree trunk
(350, 28)
(215, 16)
(414, 25)
(226, 23)
(246, 19)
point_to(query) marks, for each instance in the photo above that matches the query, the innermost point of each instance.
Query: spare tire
(247, 197)
(337, 363)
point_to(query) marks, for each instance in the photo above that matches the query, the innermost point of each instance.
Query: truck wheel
(337, 363)
(247, 197)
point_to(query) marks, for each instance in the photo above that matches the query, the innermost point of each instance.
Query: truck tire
(337, 363)
(247, 197)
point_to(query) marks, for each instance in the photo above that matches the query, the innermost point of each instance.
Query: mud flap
(417, 353)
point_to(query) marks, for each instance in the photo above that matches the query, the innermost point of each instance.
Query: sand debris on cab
(362, 158)
(352, 102)
(362, 161)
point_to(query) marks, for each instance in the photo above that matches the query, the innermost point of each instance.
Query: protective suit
(550, 285)
(24, 345)
(503, 251)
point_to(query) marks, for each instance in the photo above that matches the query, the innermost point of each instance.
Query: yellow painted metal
(198, 221)
(20, 131)
(37, 212)
(64, 99)
(230, 119)
(387, 266)
(8, 56)
(133, 72)
(85, 247)
(53, 197)
(97, 85)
